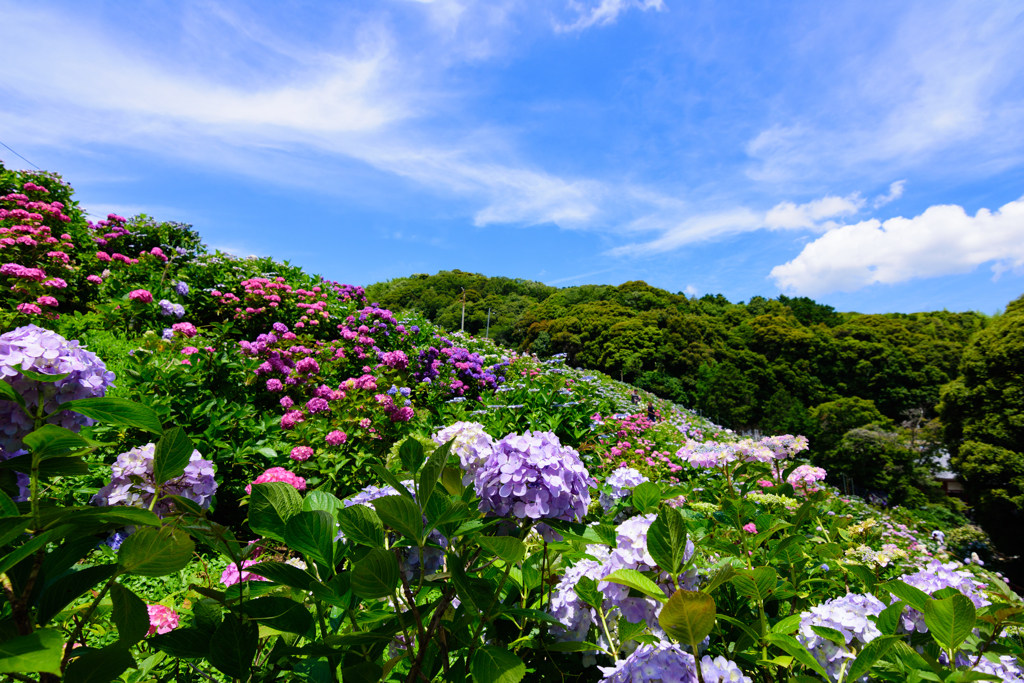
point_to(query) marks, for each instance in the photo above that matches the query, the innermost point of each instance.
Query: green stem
(614, 648)
(85, 620)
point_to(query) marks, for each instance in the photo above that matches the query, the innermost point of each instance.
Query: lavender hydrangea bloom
(533, 475)
(48, 353)
(132, 482)
(22, 479)
(848, 615)
(936, 576)
(576, 617)
(722, 670)
(181, 288)
(168, 334)
(622, 480)
(472, 444)
(660, 663)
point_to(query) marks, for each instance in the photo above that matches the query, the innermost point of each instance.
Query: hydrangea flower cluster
(472, 444)
(462, 369)
(663, 662)
(533, 475)
(46, 352)
(278, 474)
(622, 481)
(132, 482)
(169, 308)
(161, 619)
(936, 576)
(848, 615)
(722, 670)
(785, 446)
(804, 477)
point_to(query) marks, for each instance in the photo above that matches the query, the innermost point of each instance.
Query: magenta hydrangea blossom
(336, 438)
(161, 619)
(532, 475)
(301, 453)
(279, 474)
(48, 353)
(230, 576)
(143, 296)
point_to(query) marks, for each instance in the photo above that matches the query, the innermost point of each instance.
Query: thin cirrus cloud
(604, 12)
(943, 240)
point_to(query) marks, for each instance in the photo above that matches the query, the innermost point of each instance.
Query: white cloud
(895, 192)
(790, 216)
(698, 228)
(944, 240)
(690, 291)
(605, 12)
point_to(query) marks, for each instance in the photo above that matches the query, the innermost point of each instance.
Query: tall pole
(462, 328)
(488, 333)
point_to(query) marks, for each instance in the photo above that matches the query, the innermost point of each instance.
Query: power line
(22, 158)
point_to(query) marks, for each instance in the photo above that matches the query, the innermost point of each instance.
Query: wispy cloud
(895, 192)
(579, 277)
(790, 216)
(944, 240)
(604, 12)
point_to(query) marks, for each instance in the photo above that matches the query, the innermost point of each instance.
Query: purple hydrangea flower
(181, 288)
(622, 480)
(48, 353)
(22, 479)
(936, 576)
(533, 475)
(848, 615)
(662, 662)
(722, 670)
(132, 482)
(472, 444)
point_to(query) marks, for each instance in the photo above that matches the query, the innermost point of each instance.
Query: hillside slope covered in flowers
(216, 468)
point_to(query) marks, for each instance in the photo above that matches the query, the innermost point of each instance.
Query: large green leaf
(54, 466)
(233, 647)
(8, 508)
(130, 615)
(284, 574)
(100, 666)
(50, 440)
(312, 533)
(113, 516)
(38, 651)
(322, 500)
(688, 616)
(155, 552)
(376, 575)
(360, 524)
(270, 508)
(411, 455)
(496, 665)
(171, 455)
(431, 473)
(757, 584)
(8, 393)
(666, 540)
(186, 643)
(951, 620)
(646, 497)
(795, 649)
(915, 597)
(117, 411)
(509, 549)
(391, 480)
(634, 579)
(870, 654)
(23, 551)
(402, 515)
(66, 589)
(282, 614)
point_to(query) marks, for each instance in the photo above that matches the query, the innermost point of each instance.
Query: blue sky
(866, 154)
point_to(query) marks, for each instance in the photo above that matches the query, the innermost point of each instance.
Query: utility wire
(22, 158)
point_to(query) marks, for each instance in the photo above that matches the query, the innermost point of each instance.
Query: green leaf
(8, 393)
(915, 597)
(376, 575)
(870, 654)
(66, 589)
(360, 524)
(282, 614)
(411, 455)
(13, 527)
(628, 631)
(233, 647)
(284, 574)
(23, 551)
(509, 549)
(271, 506)
(688, 616)
(787, 624)
(185, 643)
(391, 480)
(217, 536)
(721, 576)
(54, 466)
(402, 515)
(8, 508)
(646, 497)
(431, 473)
(117, 411)
(496, 665)
(171, 455)
(571, 646)
(666, 540)
(182, 504)
(634, 579)
(322, 500)
(100, 666)
(130, 615)
(889, 618)
(155, 552)
(586, 590)
(830, 634)
(757, 584)
(50, 440)
(451, 479)
(742, 626)
(43, 376)
(115, 516)
(207, 614)
(38, 651)
(364, 672)
(795, 649)
(312, 533)
(950, 620)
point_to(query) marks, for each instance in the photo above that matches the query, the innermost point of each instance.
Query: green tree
(832, 420)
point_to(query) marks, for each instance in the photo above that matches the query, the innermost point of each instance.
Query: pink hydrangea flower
(750, 528)
(141, 295)
(103, 256)
(187, 329)
(46, 301)
(189, 350)
(29, 309)
(230, 575)
(95, 279)
(301, 453)
(336, 438)
(279, 474)
(161, 619)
